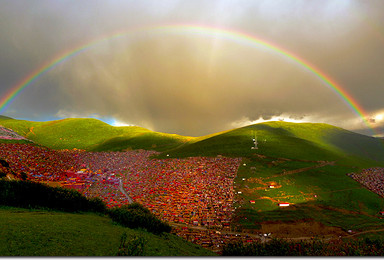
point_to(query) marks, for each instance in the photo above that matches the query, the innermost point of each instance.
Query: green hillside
(305, 141)
(275, 139)
(141, 140)
(47, 233)
(91, 134)
(316, 191)
(5, 117)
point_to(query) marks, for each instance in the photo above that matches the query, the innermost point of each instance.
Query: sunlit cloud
(62, 113)
(283, 118)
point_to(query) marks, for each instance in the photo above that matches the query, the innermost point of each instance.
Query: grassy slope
(5, 117)
(347, 203)
(91, 134)
(288, 140)
(47, 233)
(340, 201)
(276, 139)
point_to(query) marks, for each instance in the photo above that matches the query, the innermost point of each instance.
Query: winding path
(130, 200)
(321, 164)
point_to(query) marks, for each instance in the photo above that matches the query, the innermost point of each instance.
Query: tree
(4, 163)
(23, 176)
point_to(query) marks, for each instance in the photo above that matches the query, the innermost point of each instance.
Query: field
(316, 191)
(47, 233)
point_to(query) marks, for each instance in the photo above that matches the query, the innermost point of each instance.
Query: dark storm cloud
(195, 84)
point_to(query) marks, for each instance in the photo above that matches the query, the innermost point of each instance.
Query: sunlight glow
(120, 123)
(379, 117)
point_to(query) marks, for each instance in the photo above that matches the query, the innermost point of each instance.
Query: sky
(195, 83)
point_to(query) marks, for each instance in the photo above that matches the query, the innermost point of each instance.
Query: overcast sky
(195, 84)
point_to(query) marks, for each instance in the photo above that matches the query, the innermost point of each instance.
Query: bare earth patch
(303, 229)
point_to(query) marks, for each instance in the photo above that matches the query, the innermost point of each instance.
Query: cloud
(195, 84)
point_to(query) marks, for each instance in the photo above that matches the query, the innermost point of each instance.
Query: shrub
(134, 247)
(23, 176)
(27, 194)
(136, 216)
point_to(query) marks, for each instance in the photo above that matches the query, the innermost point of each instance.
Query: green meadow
(26, 232)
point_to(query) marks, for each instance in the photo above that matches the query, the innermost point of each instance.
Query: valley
(212, 190)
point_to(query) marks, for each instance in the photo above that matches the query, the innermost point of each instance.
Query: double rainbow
(242, 38)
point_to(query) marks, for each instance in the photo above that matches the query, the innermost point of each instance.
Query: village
(195, 195)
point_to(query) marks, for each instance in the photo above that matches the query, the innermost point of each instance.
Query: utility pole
(254, 141)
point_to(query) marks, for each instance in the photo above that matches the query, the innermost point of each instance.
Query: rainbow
(240, 37)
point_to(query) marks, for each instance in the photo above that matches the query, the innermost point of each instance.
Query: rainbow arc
(241, 38)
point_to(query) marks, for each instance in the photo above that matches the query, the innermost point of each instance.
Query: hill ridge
(275, 139)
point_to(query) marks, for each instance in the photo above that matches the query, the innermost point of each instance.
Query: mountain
(308, 141)
(305, 141)
(5, 117)
(92, 134)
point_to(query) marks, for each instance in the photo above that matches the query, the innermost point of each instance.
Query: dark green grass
(146, 140)
(47, 233)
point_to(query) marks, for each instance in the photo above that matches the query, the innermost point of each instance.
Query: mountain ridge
(275, 139)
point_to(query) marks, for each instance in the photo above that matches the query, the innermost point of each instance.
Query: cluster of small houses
(201, 205)
(77, 180)
(8, 134)
(213, 239)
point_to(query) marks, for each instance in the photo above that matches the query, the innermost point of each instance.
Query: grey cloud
(189, 83)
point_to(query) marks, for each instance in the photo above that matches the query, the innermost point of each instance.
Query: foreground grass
(47, 233)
